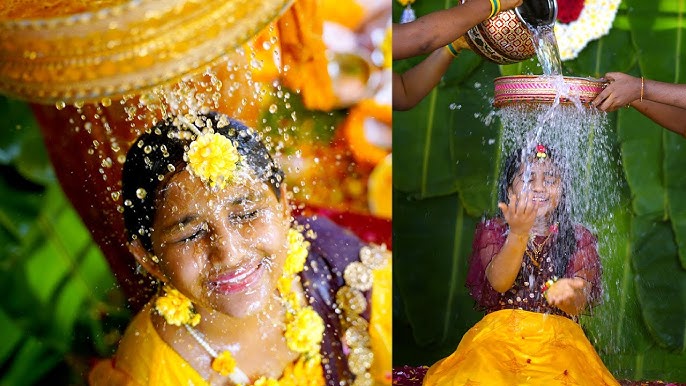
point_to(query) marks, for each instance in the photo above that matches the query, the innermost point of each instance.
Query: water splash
(547, 51)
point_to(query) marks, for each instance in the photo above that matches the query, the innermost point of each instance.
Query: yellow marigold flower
(305, 372)
(176, 308)
(224, 364)
(304, 332)
(297, 253)
(263, 381)
(387, 49)
(213, 158)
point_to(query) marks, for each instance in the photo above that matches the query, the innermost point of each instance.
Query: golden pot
(505, 38)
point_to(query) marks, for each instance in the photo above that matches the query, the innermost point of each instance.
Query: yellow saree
(516, 347)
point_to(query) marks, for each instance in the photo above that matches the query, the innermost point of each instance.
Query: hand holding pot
(506, 5)
(621, 91)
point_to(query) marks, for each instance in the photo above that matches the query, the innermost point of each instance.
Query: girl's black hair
(564, 244)
(158, 154)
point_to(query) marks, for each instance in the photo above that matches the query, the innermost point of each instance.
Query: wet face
(543, 179)
(223, 249)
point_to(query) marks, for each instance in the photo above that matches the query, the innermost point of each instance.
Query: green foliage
(61, 307)
(445, 169)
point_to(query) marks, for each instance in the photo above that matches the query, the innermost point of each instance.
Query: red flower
(541, 149)
(569, 10)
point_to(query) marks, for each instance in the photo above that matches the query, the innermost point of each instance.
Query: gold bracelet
(642, 82)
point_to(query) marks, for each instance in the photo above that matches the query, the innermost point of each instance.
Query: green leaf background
(445, 167)
(61, 306)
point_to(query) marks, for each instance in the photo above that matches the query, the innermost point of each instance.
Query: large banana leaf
(61, 299)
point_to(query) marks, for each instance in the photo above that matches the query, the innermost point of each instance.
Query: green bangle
(452, 49)
(495, 8)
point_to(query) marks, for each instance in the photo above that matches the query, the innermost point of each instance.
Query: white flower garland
(595, 21)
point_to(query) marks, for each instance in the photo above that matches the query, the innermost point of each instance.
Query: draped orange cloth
(303, 54)
(516, 347)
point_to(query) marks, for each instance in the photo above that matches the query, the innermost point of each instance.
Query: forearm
(666, 93)
(670, 117)
(413, 85)
(437, 29)
(504, 267)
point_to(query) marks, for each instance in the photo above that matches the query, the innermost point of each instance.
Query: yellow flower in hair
(304, 333)
(224, 364)
(297, 253)
(176, 308)
(213, 158)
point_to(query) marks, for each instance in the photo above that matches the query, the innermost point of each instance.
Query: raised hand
(621, 90)
(520, 213)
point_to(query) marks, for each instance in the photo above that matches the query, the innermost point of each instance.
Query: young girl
(245, 298)
(533, 272)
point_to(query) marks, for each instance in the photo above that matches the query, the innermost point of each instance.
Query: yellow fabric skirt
(516, 347)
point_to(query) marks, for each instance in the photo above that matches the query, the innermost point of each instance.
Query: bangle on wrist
(495, 8)
(453, 51)
(642, 83)
(546, 286)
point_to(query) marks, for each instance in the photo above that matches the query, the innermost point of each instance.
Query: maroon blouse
(537, 268)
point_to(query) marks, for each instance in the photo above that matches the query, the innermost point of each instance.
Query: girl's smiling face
(224, 249)
(542, 178)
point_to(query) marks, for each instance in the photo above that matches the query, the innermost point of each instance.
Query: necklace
(236, 375)
(535, 251)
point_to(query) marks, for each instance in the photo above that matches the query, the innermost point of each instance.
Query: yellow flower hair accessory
(213, 158)
(176, 308)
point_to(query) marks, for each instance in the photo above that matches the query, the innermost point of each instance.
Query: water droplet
(141, 193)
(60, 105)
(106, 101)
(79, 104)
(273, 108)
(128, 203)
(171, 168)
(147, 149)
(115, 195)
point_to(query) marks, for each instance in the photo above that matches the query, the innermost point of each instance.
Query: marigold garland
(594, 21)
(213, 158)
(176, 308)
(224, 363)
(303, 332)
(297, 253)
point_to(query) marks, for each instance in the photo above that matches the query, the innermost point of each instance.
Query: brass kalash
(507, 38)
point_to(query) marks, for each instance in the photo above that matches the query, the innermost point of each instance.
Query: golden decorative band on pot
(541, 89)
(124, 48)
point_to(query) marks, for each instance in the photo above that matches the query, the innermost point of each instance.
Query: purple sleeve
(585, 263)
(489, 238)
